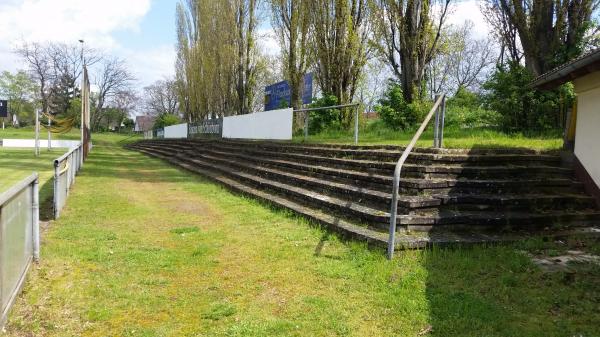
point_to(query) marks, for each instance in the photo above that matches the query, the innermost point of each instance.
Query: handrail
(61, 172)
(356, 105)
(441, 100)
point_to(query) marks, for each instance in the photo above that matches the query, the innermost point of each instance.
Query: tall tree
(161, 98)
(409, 32)
(291, 21)
(18, 89)
(340, 35)
(56, 67)
(113, 78)
(504, 32)
(462, 60)
(216, 57)
(550, 32)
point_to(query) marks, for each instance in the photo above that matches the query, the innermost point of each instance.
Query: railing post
(306, 125)
(398, 170)
(35, 216)
(436, 124)
(441, 129)
(356, 126)
(394, 211)
(55, 185)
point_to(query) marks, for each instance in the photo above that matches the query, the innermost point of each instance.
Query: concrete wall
(273, 124)
(25, 143)
(587, 134)
(176, 131)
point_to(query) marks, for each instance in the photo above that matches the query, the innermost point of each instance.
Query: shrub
(166, 120)
(465, 110)
(329, 119)
(395, 112)
(521, 107)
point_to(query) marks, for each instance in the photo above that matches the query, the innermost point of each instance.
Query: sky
(140, 31)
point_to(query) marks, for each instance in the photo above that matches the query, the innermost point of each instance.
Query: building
(584, 122)
(144, 123)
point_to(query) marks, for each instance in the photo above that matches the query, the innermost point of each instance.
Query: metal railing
(307, 117)
(66, 168)
(439, 108)
(20, 239)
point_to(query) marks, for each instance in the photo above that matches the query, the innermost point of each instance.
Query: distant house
(584, 123)
(144, 123)
(371, 115)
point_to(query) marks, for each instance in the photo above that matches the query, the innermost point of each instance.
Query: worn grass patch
(117, 264)
(184, 230)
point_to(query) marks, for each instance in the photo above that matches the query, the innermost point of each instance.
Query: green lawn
(145, 249)
(453, 138)
(17, 164)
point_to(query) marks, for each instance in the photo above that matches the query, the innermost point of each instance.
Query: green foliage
(166, 120)
(395, 112)
(129, 123)
(465, 110)
(521, 107)
(18, 89)
(330, 119)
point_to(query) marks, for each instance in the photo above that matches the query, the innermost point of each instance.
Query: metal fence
(65, 169)
(306, 117)
(19, 238)
(206, 128)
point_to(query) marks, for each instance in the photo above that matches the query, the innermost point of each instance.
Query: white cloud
(70, 20)
(462, 11)
(151, 65)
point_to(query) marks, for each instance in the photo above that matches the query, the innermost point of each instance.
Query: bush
(329, 119)
(166, 120)
(395, 112)
(465, 110)
(521, 107)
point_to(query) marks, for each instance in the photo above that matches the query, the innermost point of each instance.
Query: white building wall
(176, 131)
(587, 134)
(272, 124)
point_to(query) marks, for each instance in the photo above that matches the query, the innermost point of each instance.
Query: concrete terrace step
(418, 155)
(379, 218)
(415, 185)
(411, 169)
(407, 203)
(351, 230)
(386, 168)
(383, 182)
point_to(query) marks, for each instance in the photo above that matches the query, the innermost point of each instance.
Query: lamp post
(81, 123)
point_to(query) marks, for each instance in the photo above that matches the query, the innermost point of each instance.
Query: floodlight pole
(81, 124)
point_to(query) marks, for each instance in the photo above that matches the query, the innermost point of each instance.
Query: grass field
(17, 164)
(145, 249)
(453, 138)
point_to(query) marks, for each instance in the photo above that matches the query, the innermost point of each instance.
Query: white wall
(587, 133)
(272, 124)
(176, 131)
(25, 143)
